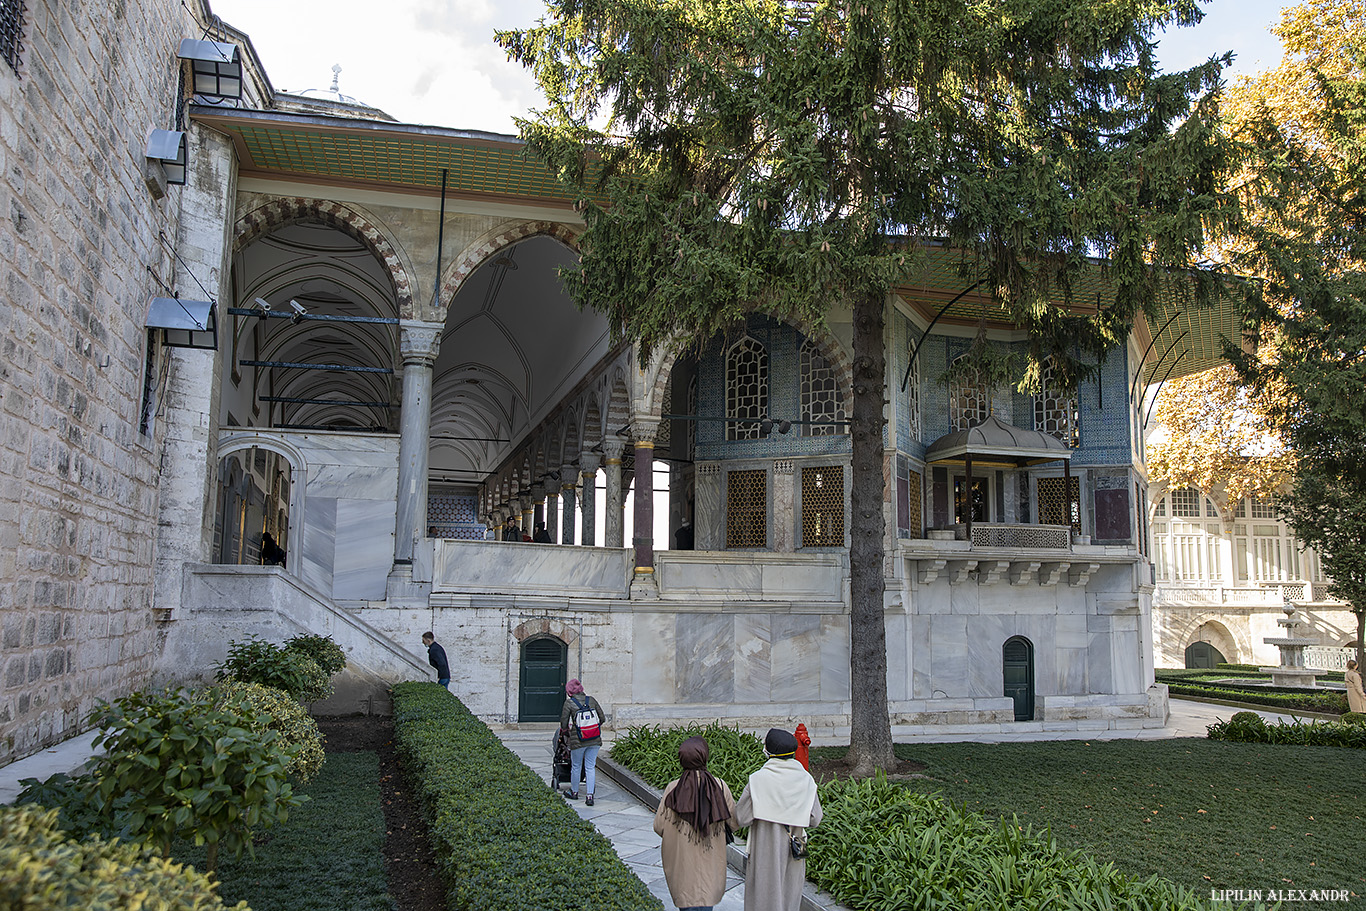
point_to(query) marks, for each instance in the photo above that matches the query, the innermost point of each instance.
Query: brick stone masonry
(80, 244)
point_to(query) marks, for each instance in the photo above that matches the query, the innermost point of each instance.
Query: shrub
(257, 661)
(652, 753)
(1330, 703)
(276, 711)
(503, 839)
(883, 846)
(42, 869)
(327, 654)
(1354, 718)
(1316, 733)
(188, 767)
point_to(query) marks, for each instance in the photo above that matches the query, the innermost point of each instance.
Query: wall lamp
(216, 69)
(167, 147)
(184, 323)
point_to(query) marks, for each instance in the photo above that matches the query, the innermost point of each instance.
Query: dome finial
(336, 70)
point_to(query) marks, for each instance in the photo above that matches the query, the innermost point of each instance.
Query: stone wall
(81, 239)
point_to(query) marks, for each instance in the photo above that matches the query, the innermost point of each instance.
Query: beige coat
(694, 869)
(773, 878)
(1356, 699)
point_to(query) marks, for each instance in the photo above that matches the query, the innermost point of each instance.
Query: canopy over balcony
(996, 443)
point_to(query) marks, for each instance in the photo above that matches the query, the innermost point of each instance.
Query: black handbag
(797, 842)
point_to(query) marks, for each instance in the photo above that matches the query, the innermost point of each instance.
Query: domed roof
(331, 93)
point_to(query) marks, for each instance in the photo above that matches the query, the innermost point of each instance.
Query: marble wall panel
(966, 597)
(796, 657)
(1072, 666)
(474, 566)
(654, 657)
(1070, 631)
(834, 637)
(753, 658)
(949, 655)
(364, 548)
(352, 481)
(319, 543)
(921, 657)
(710, 519)
(1126, 669)
(705, 660)
(1100, 662)
(804, 581)
(898, 657)
(986, 636)
(783, 515)
(692, 579)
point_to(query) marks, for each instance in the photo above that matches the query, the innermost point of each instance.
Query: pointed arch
(486, 246)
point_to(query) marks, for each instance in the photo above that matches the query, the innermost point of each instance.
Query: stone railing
(1264, 594)
(1058, 537)
(1328, 658)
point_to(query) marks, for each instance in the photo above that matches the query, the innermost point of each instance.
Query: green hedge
(504, 840)
(1331, 703)
(651, 752)
(1249, 727)
(883, 846)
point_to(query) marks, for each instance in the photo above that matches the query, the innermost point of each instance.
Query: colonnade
(419, 344)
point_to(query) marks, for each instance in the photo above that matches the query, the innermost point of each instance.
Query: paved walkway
(624, 819)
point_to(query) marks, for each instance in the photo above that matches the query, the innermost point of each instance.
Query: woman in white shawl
(779, 802)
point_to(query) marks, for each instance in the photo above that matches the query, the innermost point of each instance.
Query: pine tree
(793, 156)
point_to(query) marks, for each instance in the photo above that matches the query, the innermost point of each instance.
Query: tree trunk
(870, 737)
(1361, 637)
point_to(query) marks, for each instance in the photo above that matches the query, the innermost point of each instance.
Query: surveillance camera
(298, 307)
(263, 304)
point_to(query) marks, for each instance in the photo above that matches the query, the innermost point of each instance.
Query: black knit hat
(780, 743)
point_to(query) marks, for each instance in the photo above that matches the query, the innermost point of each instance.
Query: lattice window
(1263, 509)
(908, 500)
(747, 509)
(821, 399)
(1055, 414)
(1054, 508)
(823, 506)
(664, 435)
(11, 32)
(1186, 503)
(969, 401)
(914, 504)
(746, 389)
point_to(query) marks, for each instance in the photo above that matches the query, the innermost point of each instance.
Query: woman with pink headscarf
(583, 744)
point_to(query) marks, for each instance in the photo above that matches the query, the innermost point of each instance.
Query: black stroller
(559, 763)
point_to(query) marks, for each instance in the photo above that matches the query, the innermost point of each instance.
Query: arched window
(969, 401)
(746, 389)
(1055, 414)
(821, 399)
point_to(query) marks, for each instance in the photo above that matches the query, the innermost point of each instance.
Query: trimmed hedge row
(503, 839)
(1249, 727)
(1332, 703)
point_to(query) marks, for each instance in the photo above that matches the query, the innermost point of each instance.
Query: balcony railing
(1056, 537)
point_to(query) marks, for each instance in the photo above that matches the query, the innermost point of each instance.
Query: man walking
(436, 657)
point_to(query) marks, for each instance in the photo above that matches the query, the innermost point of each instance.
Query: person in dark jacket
(583, 749)
(272, 554)
(436, 657)
(541, 536)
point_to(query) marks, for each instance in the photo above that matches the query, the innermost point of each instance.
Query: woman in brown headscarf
(692, 820)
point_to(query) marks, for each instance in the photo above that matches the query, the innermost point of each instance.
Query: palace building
(231, 311)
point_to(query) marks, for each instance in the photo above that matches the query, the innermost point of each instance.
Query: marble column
(588, 468)
(643, 528)
(537, 507)
(528, 517)
(613, 530)
(567, 479)
(552, 514)
(419, 343)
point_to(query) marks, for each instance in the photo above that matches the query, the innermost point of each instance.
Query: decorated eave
(376, 155)
(1189, 338)
(997, 444)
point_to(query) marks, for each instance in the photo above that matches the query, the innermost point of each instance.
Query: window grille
(823, 506)
(1186, 503)
(692, 425)
(1161, 507)
(747, 509)
(821, 399)
(1241, 511)
(969, 402)
(1055, 414)
(1263, 509)
(11, 31)
(664, 435)
(746, 389)
(1053, 505)
(908, 500)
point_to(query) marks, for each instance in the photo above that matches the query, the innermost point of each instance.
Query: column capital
(644, 430)
(612, 449)
(569, 476)
(537, 493)
(589, 463)
(419, 342)
(515, 506)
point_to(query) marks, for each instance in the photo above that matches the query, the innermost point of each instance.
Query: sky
(435, 61)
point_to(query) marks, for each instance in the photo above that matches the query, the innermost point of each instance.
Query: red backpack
(585, 720)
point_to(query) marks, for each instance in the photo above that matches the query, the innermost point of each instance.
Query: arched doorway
(254, 493)
(1203, 654)
(1017, 661)
(540, 689)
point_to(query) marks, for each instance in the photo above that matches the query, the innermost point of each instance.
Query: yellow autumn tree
(1215, 435)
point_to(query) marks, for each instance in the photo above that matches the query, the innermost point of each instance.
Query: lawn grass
(328, 856)
(1203, 814)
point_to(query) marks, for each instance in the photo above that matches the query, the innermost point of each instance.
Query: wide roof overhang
(996, 443)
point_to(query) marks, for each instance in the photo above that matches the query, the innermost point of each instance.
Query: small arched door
(1017, 662)
(1202, 654)
(540, 692)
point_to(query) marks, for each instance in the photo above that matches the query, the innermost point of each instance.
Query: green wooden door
(1017, 658)
(1202, 654)
(541, 691)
